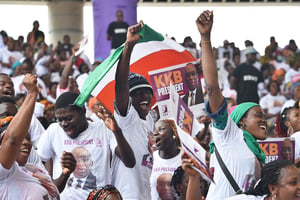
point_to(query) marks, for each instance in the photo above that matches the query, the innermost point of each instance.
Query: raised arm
(123, 149)
(121, 87)
(193, 191)
(204, 23)
(18, 127)
(67, 71)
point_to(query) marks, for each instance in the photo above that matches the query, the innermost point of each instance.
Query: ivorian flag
(153, 51)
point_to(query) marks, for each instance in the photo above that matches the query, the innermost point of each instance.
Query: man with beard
(73, 130)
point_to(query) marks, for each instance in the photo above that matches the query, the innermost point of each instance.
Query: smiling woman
(238, 131)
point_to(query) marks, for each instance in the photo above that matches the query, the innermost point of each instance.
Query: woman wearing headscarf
(235, 136)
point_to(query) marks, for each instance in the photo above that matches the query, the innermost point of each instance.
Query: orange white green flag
(153, 51)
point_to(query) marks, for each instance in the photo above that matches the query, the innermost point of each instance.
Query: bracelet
(205, 42)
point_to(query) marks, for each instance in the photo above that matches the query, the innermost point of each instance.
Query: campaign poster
(278, 148)
(162, 78)
(196, 152)
(183, 115)
(186, 80)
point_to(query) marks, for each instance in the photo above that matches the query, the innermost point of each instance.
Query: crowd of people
(54, 149)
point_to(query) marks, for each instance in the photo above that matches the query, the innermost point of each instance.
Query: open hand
(108, 119)
(187, 164)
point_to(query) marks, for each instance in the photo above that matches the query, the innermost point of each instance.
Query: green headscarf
(236, 115)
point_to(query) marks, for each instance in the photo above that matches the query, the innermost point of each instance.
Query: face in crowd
(164, 188)
(141, 101)
(83, 162)
(191, 76)
(255, 123)
(72, 120)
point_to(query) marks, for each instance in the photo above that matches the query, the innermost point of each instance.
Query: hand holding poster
(185, 127)
(196, 153)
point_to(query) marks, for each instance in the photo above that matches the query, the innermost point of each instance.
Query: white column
(65, 17)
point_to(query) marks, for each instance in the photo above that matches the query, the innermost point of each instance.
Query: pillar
(65, 17)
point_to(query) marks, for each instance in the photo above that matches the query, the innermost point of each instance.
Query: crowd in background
(271, 80)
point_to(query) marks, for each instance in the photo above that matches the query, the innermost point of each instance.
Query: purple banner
(161, 79)
(184, 117)
(278, 149)
(104, 13)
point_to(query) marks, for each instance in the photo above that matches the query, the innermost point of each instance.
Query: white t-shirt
(134, 183)
(35, 159)
(289, 75)
(162, 166)
(268, 102)
(20, 88)
(6, 56)
(15, 183)
(296, 135)
(288, 103)
(95, 118)
(36, 129)
(73, 191)
(81, 79)
(281, 65)
(97, 139)
(40, 67)
(230, 143)
(246, 197)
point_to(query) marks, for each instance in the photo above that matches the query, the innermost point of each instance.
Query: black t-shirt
(118, 32)
(39, 36)
(248, 78)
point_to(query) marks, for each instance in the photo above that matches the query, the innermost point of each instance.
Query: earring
(274, 197)
(244, 126)
(174, 137)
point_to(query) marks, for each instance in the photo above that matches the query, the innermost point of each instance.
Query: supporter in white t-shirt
(19, 180)
(132, 104)
(167, 157)
(231, 135)
(272, 102)
(99, 139)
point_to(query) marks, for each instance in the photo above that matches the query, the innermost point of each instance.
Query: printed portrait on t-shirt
(164, 188)
(82, 175)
